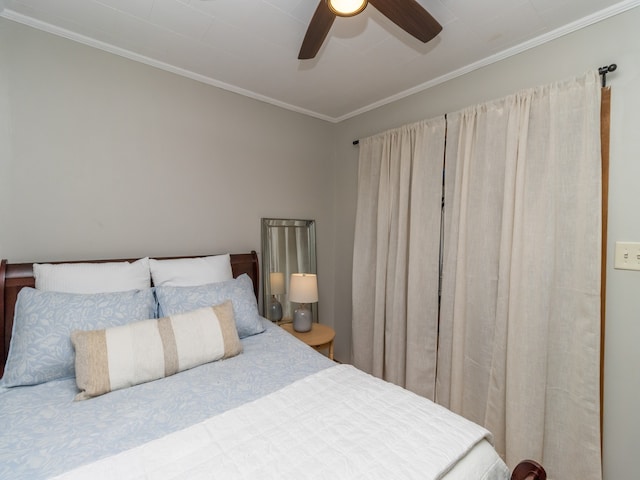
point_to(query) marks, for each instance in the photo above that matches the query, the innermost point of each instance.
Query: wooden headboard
(15, 276)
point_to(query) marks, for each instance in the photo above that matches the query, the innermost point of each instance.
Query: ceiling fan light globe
(347, 8)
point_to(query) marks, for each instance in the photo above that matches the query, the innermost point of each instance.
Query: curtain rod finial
(607, 69)
(604, 70)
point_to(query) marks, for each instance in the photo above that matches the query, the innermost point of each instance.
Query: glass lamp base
(302, 318)
(275, 310)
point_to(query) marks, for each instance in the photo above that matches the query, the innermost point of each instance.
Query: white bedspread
(337, 423)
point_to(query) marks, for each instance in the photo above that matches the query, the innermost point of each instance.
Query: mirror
(288, 246)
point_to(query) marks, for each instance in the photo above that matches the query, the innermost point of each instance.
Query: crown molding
(540, 40)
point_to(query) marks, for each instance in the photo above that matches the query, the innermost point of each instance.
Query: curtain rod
(602, 71)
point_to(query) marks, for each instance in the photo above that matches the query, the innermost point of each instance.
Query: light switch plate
(627, 256)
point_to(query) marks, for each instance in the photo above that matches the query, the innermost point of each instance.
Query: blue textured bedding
(43, 432)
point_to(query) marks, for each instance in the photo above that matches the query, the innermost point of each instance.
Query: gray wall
(102, 157)
(616, 40)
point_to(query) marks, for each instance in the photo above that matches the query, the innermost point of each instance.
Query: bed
(264, 406)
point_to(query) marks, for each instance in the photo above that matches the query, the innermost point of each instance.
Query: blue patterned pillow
(174, 300)
(41, 348)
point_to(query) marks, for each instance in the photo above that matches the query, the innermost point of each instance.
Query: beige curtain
(520, 316)
(396, 255)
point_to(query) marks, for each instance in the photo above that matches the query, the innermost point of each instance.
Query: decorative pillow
(119, 357)
(189, 272)
(174, 300)
(41, 348)
(92, 277)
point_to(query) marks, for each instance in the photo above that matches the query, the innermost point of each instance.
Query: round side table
(319, 337)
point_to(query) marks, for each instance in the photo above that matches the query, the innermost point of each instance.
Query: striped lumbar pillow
(119, 357)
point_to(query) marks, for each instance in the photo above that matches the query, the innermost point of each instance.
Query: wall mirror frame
(288, 246)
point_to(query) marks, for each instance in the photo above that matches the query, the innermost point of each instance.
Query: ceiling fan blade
(317, 31)
(410, 16)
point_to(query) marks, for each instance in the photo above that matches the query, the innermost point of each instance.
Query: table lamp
(276, 284)
(303, 290)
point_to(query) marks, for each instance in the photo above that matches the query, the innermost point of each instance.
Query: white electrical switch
(627, 256)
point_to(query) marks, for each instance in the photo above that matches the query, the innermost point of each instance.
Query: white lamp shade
(276, 282)
(303, 288)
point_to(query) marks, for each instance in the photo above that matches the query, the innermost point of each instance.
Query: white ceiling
(251, 46)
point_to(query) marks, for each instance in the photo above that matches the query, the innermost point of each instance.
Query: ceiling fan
(407, 14)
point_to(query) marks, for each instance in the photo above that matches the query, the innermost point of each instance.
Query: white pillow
(92, 277)
(191, 272)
